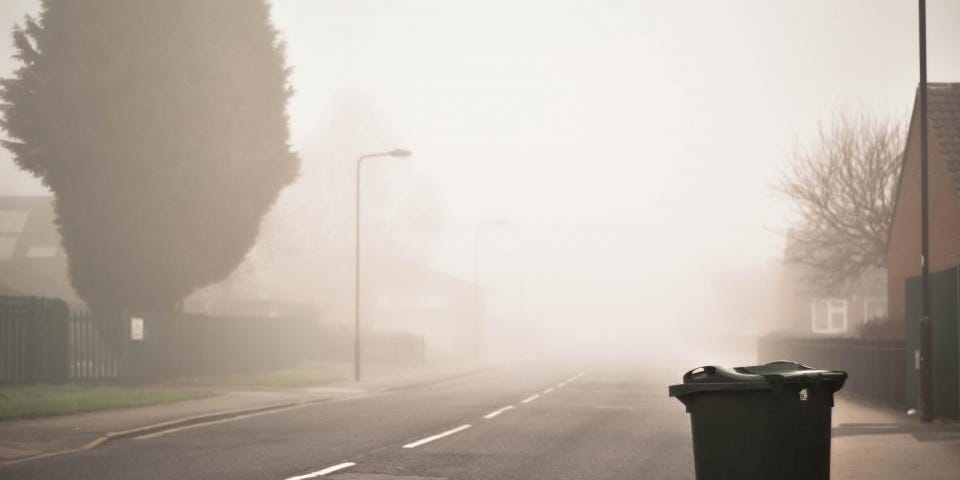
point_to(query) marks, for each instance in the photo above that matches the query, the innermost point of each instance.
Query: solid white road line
(562, 384)
(320, 473)
(548, 390)
(497, 412)
(530, 398)
(435, 437)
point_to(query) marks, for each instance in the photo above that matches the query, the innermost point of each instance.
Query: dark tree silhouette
(843, 189)
(161, 128)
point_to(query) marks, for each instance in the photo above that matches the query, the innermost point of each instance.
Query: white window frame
(866, 307)
(834, 305)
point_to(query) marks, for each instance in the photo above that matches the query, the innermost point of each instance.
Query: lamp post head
(399, 153)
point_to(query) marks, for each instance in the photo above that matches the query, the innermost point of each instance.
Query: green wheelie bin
(762, 422)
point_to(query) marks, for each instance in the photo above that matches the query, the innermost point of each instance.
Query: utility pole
(926, 319)
(356, 277)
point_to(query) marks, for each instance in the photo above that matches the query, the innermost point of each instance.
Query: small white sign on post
(136, 328)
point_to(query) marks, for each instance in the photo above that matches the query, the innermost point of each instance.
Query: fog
(615, 159)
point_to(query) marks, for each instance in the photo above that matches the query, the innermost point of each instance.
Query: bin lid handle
(699, 372)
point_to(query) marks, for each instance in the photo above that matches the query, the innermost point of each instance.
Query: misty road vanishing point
(453, 240)
(501, 423)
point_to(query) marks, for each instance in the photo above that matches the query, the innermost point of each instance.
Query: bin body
(760, 426)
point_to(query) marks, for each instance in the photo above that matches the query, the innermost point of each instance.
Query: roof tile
(944, 113)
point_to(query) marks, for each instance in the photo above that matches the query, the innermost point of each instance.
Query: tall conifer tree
(161, 128)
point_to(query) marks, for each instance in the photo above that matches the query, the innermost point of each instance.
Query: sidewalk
(23, 439)
(877, 443)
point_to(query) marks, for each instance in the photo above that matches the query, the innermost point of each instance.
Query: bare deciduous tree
(843, 189)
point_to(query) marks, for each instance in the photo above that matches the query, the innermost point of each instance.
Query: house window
(873, 309)
(11, 225)
(829, 315)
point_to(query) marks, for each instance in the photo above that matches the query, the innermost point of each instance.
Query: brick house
(807, 309)
(903, 250)
(407, 294)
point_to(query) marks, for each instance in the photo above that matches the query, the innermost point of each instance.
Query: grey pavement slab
(881, 443)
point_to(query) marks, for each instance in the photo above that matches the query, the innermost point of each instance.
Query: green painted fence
(945, 314)
(42, 341)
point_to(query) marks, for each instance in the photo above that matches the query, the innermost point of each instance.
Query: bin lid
(756, 377)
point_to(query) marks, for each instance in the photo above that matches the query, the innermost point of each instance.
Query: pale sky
(632, 144)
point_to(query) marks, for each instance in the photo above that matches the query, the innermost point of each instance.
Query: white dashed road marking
(435, 437)
(320, 473)
(612, 407)
(497, 412)
(341, 466)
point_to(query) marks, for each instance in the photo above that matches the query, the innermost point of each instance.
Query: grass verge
(35, 401)
(309, 375)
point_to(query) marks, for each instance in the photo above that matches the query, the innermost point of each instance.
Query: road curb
(434, 381)
(228, 414)
(171, 424)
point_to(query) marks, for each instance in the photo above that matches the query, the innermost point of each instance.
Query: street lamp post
(926, 320)
(476, 282)
(356, 291)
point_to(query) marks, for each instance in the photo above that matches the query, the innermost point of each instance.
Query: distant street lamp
(356, 310)
(476, 282)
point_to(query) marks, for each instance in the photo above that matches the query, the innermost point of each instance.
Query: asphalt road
(574, 422)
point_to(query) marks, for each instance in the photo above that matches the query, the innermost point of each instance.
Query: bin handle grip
(707, 369)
